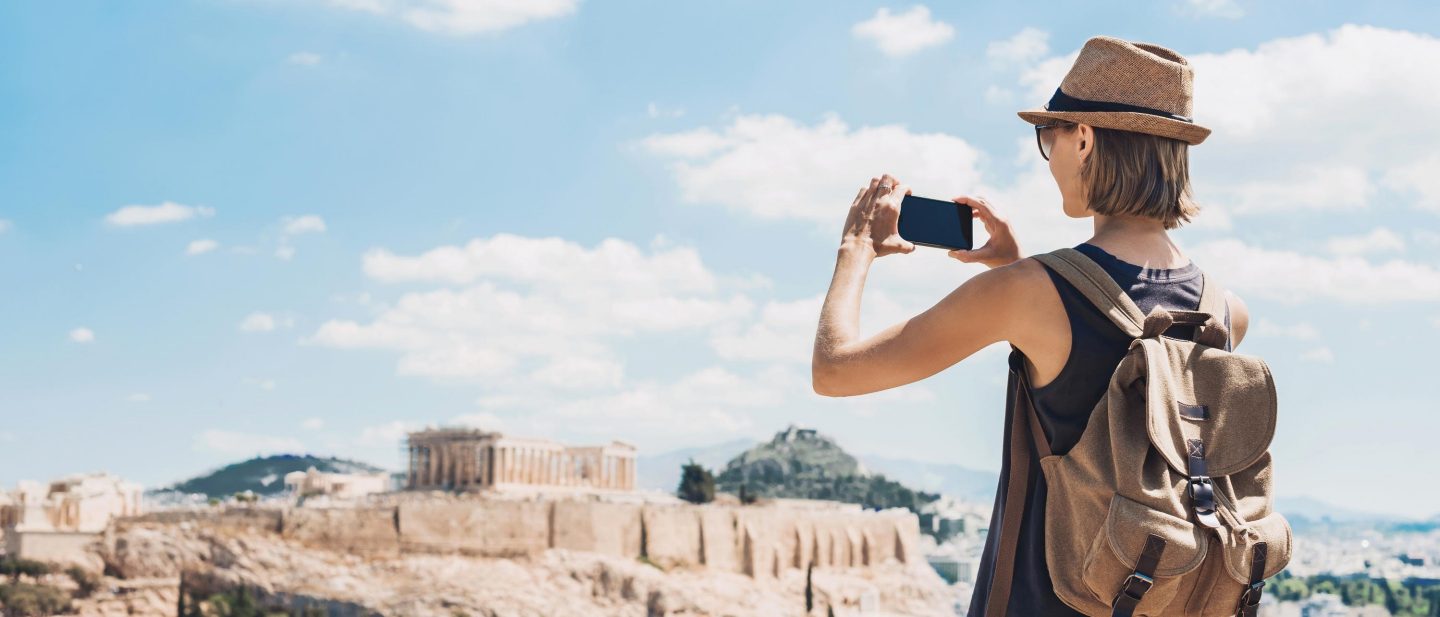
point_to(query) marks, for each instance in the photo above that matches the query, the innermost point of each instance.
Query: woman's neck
(1139, 240)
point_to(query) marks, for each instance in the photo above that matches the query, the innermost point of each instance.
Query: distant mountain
(662, 471)
(1310, 515)
(800, 462)
(265, 475)
(967, 484)
(1317, 510)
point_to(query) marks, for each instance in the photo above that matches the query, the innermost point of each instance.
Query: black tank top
(1064, 405)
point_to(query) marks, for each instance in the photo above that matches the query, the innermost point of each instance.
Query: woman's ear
(1085, 139)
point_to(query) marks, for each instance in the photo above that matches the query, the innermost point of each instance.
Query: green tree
(15, 567)
(697, 484)
(27, 600)
(87, 581)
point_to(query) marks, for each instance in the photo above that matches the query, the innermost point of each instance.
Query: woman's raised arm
(986, 309)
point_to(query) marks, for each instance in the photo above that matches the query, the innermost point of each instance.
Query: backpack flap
(1226, 401)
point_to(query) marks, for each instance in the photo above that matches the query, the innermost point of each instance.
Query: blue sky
(244, 226)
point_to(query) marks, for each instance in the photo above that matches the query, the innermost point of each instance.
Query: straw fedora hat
(1129, 86)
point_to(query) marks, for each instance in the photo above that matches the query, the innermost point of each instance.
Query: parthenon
(472, 459)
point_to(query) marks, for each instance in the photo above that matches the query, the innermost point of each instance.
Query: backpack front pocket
(1110, 566)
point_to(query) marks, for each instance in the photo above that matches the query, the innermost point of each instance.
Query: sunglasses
(1046, 145)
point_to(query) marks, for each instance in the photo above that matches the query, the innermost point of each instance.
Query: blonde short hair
(1139, 174)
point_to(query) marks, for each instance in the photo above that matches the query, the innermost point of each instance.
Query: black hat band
(1064, 102)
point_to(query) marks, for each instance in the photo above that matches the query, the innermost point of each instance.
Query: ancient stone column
(410, 467)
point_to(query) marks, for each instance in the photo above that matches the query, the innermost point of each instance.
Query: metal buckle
(1252, 594)
(1135, 578)
(1196, 481)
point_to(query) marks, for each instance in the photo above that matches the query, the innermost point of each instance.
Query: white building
(313, 482)
(56, 521)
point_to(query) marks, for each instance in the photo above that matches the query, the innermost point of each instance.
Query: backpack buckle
(1201, 488)
(1134, 587)
(1249, 605)
(1251, 596)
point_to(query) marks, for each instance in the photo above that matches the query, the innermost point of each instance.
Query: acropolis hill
(494, 525)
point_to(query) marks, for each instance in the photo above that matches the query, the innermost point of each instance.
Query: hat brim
(1138, 122)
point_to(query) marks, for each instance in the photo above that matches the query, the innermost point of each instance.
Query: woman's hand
(874, 220)
(1001, 249)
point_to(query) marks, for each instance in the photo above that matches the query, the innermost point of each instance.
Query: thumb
(971, 256)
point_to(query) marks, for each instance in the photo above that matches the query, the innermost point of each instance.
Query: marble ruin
(53, 522)
(313, 482)
(472, 459)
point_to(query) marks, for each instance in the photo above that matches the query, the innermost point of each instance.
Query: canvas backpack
(1163, 507)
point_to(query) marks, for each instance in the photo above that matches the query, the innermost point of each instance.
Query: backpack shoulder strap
(1212, 297)
(1097, 286)
(1212, 302)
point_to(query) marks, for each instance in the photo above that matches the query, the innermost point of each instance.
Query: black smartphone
(932, 222)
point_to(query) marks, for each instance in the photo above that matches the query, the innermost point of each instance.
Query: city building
(313, 482)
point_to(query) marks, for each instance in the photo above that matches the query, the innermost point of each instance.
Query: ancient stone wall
(370, 531)
(760, 541)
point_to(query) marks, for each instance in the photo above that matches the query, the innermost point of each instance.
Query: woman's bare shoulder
(1239, 318)
(1017, 292)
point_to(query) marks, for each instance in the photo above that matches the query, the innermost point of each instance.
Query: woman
(1116, 135)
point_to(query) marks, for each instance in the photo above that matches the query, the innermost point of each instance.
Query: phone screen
(932, 222)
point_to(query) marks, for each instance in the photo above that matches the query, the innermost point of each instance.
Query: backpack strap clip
(1250, 600)
(1133, 589)
(1202, 489)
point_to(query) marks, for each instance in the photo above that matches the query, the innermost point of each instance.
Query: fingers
(982, 207)
(973, 256)
(859, 195)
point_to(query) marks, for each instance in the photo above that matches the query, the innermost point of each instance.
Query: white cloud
(263, 384)
(390, 434)
(304, 58)
(1339, 187)
(461, 17)
(772, 167)
(1322, 355)
(5, 226)
(1418, 177)
(202, 246)
(167, 212)
(1291, 277)
(1024, 48)
(549, 260)
(1379, 240)
(285, 253)
(711, 402)
(1300, 331)
(82, 335)
(785, 330)
(1268, 104)
(579, 372)
(546, 308)
(264, 322)
(902, 34)
(655, 110)
(230, 442)
(1227, 9)
(996, 95)
(138, 397)
(312, 424)
(308, 223)
(481, 420)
